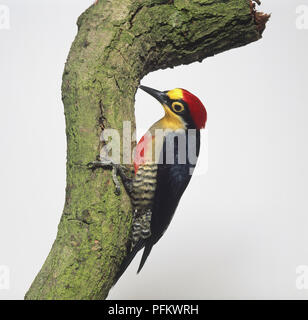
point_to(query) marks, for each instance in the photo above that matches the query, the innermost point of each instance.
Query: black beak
(159, 95)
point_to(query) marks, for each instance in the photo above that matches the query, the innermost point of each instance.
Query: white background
(240, 230)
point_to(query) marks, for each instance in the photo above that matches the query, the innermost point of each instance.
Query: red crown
(196, 108)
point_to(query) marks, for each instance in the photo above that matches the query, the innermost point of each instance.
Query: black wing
(172, 180)
(170, 184)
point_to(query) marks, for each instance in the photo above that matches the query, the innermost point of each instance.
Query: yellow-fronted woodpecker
(159, 182)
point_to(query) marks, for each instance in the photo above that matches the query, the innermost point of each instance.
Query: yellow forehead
(175, 94)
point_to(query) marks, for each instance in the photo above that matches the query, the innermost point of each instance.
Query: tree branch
(118, 43)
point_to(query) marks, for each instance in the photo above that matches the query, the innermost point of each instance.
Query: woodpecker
(159, 184)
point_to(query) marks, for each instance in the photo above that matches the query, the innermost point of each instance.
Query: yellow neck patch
(171, 120)
(175, 94)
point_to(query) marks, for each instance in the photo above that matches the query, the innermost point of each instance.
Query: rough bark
(118, 43)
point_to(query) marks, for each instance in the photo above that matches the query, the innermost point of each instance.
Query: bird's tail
(146, 252)
(128, 259)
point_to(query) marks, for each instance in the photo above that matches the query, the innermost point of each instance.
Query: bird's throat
(171, 121)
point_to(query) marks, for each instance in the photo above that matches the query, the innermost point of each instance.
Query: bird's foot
(116, 169)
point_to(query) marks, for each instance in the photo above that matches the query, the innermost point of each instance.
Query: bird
(164, 160)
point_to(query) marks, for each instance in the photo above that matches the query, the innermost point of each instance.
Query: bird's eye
(177, 107)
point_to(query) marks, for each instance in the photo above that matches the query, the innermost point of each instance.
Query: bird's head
(182, 108)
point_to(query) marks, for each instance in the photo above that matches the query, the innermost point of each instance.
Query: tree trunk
(118, 43)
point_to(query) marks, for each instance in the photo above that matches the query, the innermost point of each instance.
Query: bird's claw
(93, 165)
(103, 163)
(106, 163)
(116, 181)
